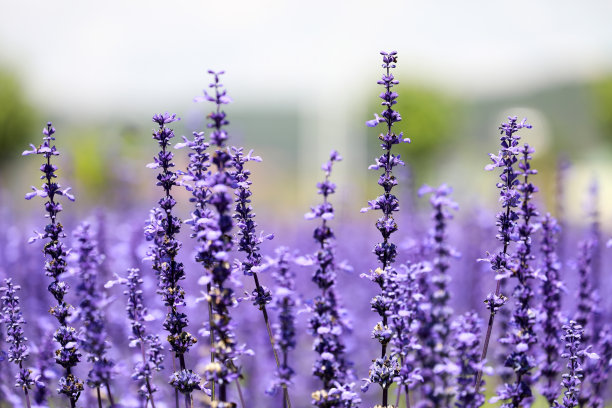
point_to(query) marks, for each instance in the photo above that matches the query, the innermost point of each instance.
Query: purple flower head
(327, 323)
(55, 253)
(435, 328)
(162, 230)
(521, 336)
(550, 292)
(466, 349)
(93, 336)
(502, 263)
(13, 319)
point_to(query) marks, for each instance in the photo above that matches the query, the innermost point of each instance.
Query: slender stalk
(147, 383)
(99, 397)
(27, 397)
(212, 340)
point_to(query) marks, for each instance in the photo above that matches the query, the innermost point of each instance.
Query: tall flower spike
(586, 309)
(437, 372)
(214, 246)
(18, 350)
(285, 302)
(67, 355)
(387, 203)
(162, 230)
(575, 355)
(502, 262)
(521, 336)
(248, 242)
(93, 336)
(151, 350)
(550, 293)
(327, 323)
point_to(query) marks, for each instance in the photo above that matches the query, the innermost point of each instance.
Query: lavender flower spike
(575, 354)
(521, 336)
(214, 245)
(466, 332)
(383, 369)
(162, 230)
(93, 336)
(380, 371)
(151, 350)
(55, 251)
(327, 324)
(285, 302)
(502, 262)
(437, 373)
(551, 309)
(18, 350)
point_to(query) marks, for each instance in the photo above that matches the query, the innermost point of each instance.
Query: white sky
(113, 57)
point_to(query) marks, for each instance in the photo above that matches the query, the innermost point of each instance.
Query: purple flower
(93, 336)
(550, 292)
(521, 334)
(151, 350)
(55, 252)
(328, 324)
(466, 349)
(388, 204)
(18, 351)
(285, 302)
(501, 262)
(436, 326)
(212, 228)
(575, 355)
(162, 230)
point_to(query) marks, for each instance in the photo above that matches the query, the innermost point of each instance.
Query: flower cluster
(18, 351)
(327, 323)
(575, 355)
(466, 334)
(163, 253)
(285, 302)
(502, 263)
(55, 251)
(387, 203)
(435, 331)
(93, 335)
(521, 335)
(215, 244)
(151, 349)
(551, 308)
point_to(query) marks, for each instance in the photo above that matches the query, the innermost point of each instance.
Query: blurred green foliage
(602, 93)
(430, 118)
(17, 118)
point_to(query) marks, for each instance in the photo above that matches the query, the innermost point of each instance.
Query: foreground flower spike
(502, 262)
(550, 293)
(327, 323)
(55, 251)
(162, 230)
(151, 350)
(18, 350)
(436, 373)
(466, 345)
(214, 246)
(93, 336)
(380, 371)
(521, 336)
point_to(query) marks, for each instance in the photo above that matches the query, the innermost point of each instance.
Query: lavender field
(198, 298)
